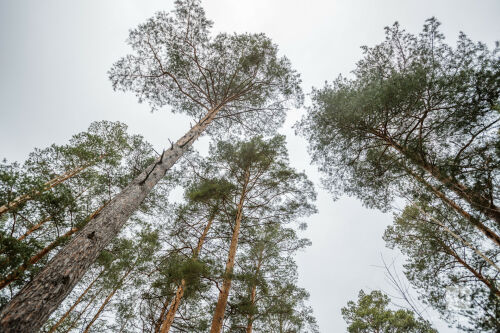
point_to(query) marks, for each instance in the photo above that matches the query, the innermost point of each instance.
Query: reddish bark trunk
(47, 186)
(169, 319)
(220, 308)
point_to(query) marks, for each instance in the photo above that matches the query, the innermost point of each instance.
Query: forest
(107, 233)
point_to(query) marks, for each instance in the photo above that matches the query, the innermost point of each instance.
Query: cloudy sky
(54, 58)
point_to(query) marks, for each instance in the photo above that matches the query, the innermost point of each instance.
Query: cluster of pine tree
(89, 239)
(420, 120)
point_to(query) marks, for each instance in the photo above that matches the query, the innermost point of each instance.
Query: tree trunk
(477, 201)
(169, 319)
(108, 298)
(43, 221)
(31, 307)
(477, 274)
(34, 259)
(459, 238)
(253, 293)
(47, 186)
(35, 227)
(80, 298)
(226, 286)
(480, 226)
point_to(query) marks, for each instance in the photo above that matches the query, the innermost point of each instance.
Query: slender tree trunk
(477, 274)
(459, 238)
(35, 227)
(169, 319)
(34, 259)
(43, 221)
(108, 298)
(47, 186)
(31, 307)
(253, 293)
(80, 298)
(83, 311)
(220, 308)
(480, 226)
(476, 200)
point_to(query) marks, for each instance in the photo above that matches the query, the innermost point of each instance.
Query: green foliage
(177, 62)
(371, 314)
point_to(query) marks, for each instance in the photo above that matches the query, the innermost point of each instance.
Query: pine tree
(226, 79)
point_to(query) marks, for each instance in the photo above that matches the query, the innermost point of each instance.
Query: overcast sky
(54, 56)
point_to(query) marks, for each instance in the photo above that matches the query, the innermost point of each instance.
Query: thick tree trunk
(169, 319)
(80, 298)
(108, 298)
(476, 200)
(31, 307)
(220, 308)
(480, 226)
(47, 186)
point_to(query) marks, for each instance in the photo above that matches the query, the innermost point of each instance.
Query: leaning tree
(235, 81)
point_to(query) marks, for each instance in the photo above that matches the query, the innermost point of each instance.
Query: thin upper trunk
(47, 186)
(42, 253)
(474, 221)
(32, 306)
(459, 238)
(108, 298)
(35, 227)
(80, 298)
(253, 293)
(477, 274)
(476, 200)
(220, 308)
(74, 322)
(169, 318)
(43, 221)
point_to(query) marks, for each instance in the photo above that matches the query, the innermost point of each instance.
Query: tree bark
(31, 307)
(220, 308)
(80, 298)
(47, 186)
(169, 319)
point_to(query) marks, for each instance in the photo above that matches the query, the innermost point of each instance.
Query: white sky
(54, 56)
